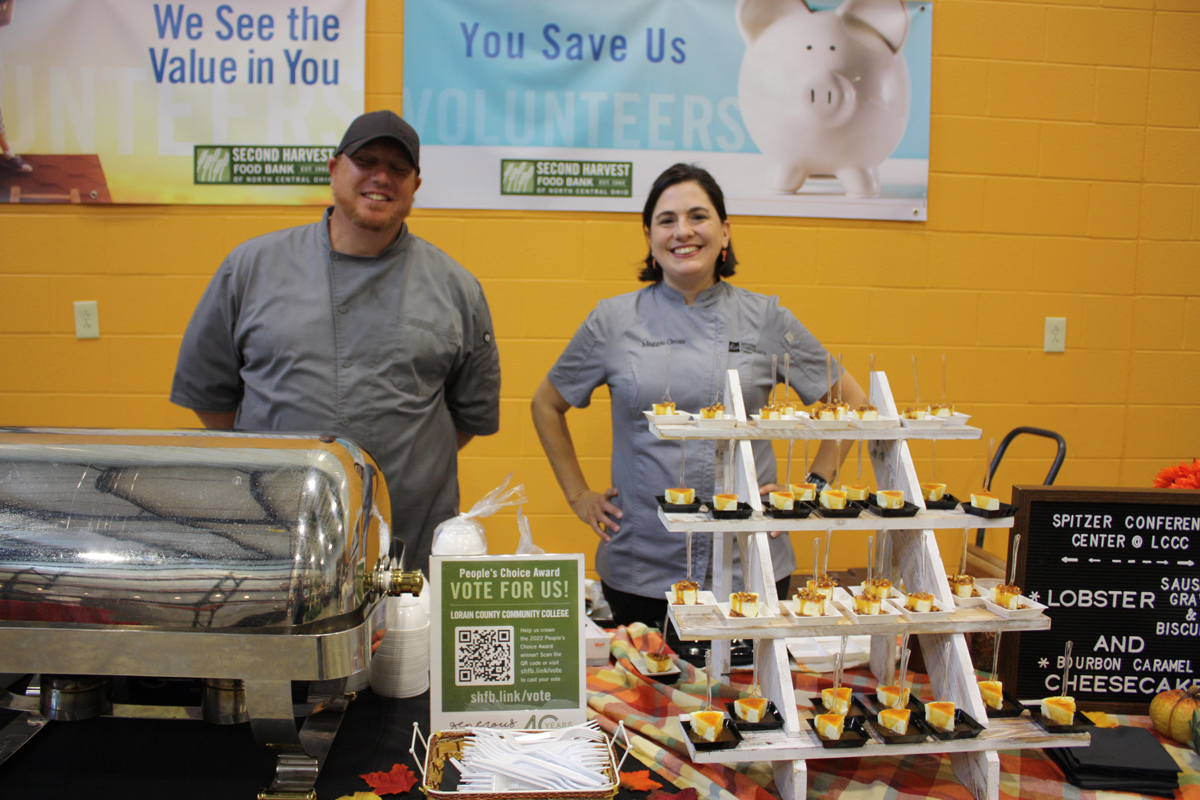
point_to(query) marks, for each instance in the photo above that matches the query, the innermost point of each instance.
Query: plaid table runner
(620, 692)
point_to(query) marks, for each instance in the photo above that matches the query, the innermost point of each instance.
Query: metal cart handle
(1059, 457)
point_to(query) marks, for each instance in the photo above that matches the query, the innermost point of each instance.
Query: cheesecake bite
(664, 409)
(707, 724)
(985, 500)
(726, 502)
(751, 709)
(715, 411)
(878, 587)
(940, 715)
(658, 662)
(1006, 596)
(824, 586)
(889, 498)
(962, 585)
(933, 491)
(867, 412)
(836, 702)
(823, 411)
(804, 492)
(808, 603)
(857, 491)
(919, 602)
(782, 501)
(830, 726)
(915, 412)
(686, 592)
(866, 604)
(992, 693)
(1059, 710)
(743, 604)
(943, 410)
(833, 499)
(895, 720)
(889, 696)
(681, 496)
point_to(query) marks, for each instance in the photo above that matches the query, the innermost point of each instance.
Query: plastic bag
(464, 535)
(525, 545)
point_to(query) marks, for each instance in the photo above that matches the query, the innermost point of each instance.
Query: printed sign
(1118, 571)
(208, 101)
(508, 642)
(797, 110)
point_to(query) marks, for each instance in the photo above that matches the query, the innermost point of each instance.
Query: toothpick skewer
(774, 376)
(825, 559)
(996, 655)
(1066, 668)
(787, 379)
(904, 654)
(689, 556)
(787, 475)
(916, 383)
(662, 648)
(837, 673)
(870, 562)
(708, 672)
(1012, 566)
(987, 465)
(816, 560)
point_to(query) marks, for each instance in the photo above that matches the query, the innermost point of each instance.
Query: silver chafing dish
(246, 560)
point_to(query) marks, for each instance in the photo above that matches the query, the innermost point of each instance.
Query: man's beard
(346, 202)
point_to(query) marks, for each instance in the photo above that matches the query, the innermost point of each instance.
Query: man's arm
(222, 421)
(463, 438)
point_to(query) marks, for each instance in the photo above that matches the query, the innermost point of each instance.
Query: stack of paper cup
(400, 666)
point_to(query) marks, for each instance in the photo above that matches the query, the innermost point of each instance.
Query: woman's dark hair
(682, 173)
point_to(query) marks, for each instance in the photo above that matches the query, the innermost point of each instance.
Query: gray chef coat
(394, 352)
(623, 343)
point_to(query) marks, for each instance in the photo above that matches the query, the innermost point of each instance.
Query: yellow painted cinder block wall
(1065, 173)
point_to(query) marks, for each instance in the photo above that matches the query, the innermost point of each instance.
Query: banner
(507, 642)
(574, 105)
(131, 101)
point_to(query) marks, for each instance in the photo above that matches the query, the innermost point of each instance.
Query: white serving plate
(819, 653)
(643, 667)
(678, 418)
(929, 423)
(783, 423)
(939, 614)
(728, 421)
(832, 614)
(970, 602)
(843, 424)
(705, 601)
(887, 614)
(955, 420)
(764, 612)
(882, 423)
(1032, 609)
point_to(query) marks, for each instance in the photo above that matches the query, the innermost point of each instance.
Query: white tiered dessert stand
(911, 552)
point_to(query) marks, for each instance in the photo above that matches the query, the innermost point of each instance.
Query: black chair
(1004, 443)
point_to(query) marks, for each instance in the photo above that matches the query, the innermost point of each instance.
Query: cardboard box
(596, 644)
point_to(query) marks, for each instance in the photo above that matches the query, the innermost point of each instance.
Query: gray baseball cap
(382, 124)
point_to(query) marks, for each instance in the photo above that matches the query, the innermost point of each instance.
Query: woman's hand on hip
(597, 511)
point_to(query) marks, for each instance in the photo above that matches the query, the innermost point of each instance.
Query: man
(354, 326)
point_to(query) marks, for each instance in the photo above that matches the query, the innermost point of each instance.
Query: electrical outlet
(87, 320)
(1056, 335)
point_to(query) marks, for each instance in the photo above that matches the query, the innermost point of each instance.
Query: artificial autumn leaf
(639, 781)
(360, 796)
(1181, 476)
(685, 794)
(398, 781)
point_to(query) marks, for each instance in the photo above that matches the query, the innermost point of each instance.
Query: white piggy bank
(824, 92)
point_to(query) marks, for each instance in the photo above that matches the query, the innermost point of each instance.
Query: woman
(704, 326)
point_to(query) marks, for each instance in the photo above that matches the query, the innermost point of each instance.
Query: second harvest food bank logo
(567, 178)
(263, 165)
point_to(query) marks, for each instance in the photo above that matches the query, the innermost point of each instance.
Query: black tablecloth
(121, 759)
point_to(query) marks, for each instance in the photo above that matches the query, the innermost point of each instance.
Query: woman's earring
(724, 254)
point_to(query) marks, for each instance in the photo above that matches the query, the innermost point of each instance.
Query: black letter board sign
(1117, 570)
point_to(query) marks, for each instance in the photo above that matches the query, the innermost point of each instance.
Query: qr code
(483, 656)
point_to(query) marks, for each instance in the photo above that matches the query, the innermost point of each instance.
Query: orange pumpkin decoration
(1171, 712)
